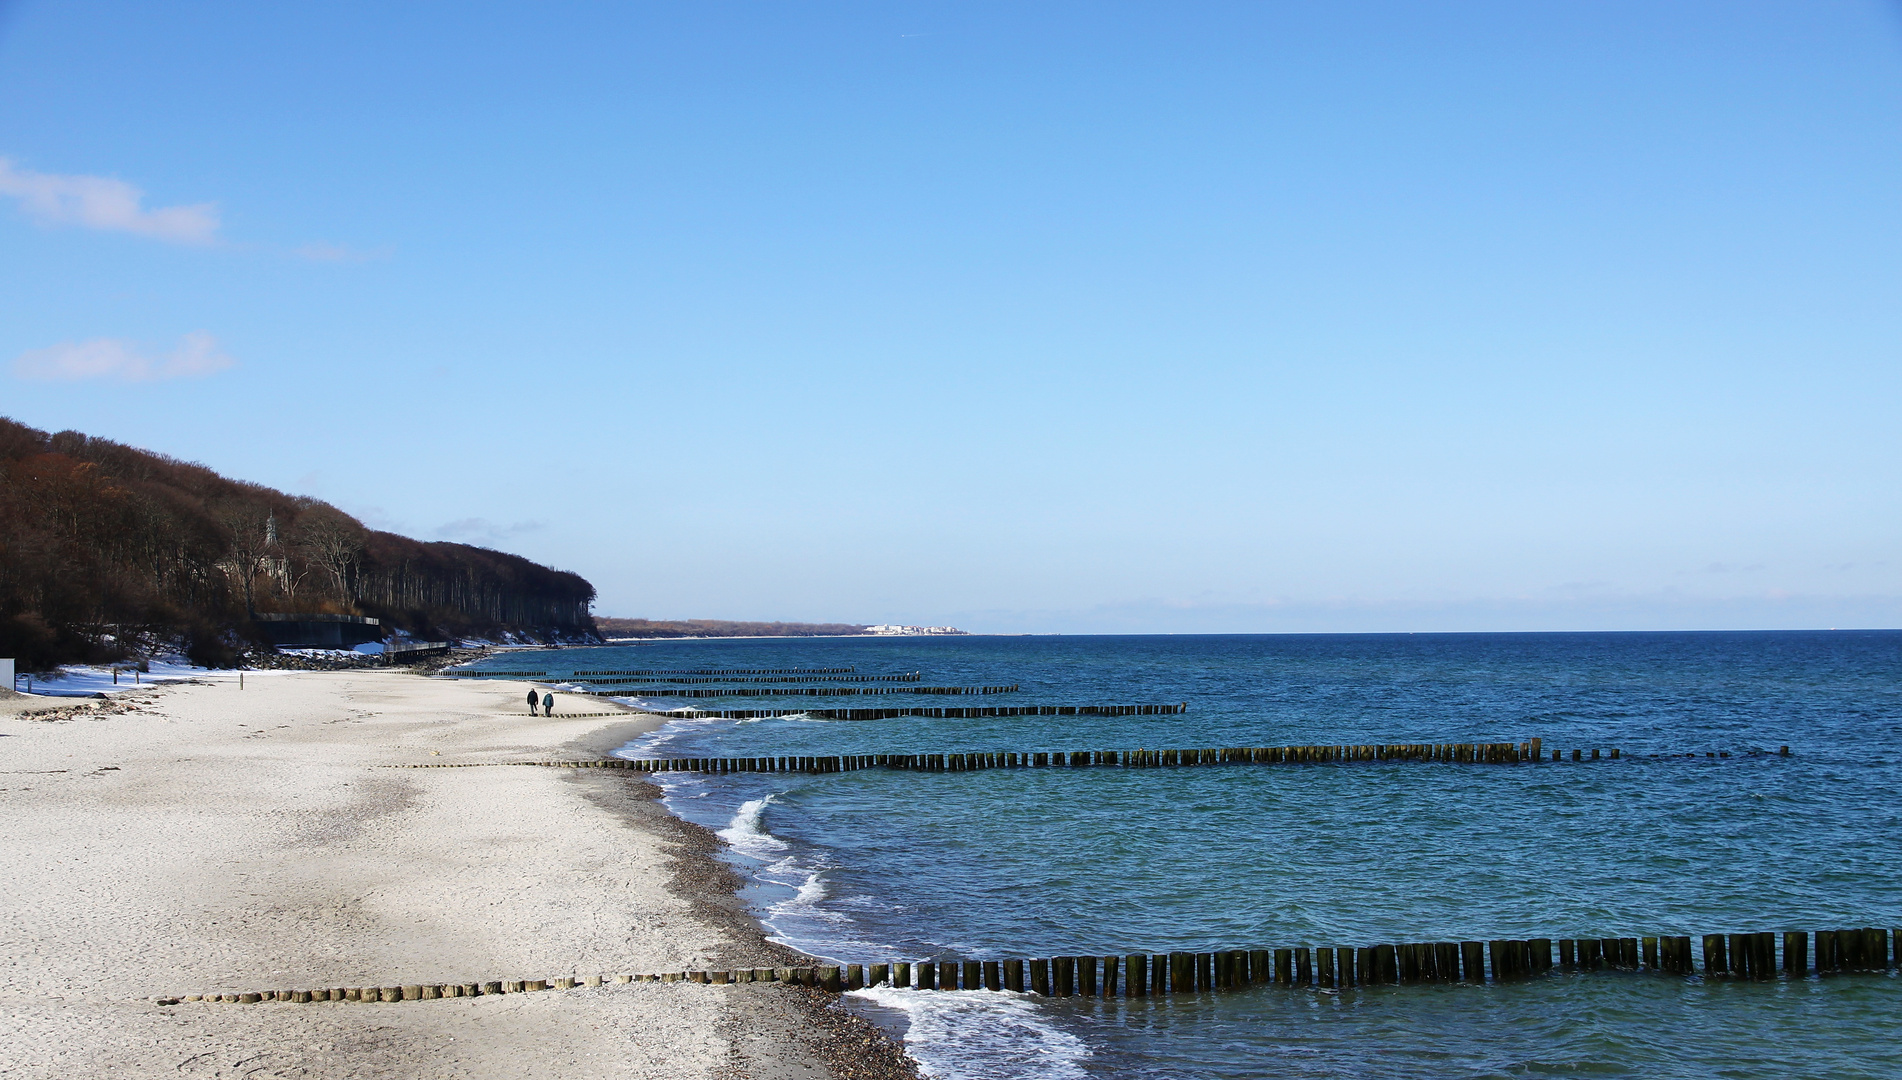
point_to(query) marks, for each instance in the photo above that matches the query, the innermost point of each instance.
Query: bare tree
(332, 541)
(253, 539)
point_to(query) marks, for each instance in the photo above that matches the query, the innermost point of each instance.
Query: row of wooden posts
(454, 674)
(909, 677)
(462, 674)
(940, 712)
(1753, 956)
(808, 691)
(1469, 753)
(724, 671)
(1485, 754)
(1745, 956)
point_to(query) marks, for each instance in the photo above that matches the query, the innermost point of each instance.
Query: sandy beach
(205, 839)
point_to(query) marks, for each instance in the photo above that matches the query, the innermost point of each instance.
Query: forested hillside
(101, 543)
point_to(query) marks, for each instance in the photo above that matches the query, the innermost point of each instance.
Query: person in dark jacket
(548, 704)
(531, 702)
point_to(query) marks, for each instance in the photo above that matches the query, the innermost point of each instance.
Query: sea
(879, 865)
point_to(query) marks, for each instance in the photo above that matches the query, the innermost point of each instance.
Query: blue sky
(1021, 317)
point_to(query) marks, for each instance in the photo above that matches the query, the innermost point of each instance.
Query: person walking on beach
(548, 704)
(531, 701)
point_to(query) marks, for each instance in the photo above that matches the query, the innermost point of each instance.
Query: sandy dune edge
(219, 839)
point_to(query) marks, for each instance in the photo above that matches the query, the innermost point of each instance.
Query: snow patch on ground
(86, 680)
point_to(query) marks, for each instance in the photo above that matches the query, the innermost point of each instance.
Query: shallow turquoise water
(879, 865)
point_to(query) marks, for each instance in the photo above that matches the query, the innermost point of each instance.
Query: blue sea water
(876, 865)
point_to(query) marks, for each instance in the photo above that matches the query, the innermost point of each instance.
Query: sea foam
(988, 1036)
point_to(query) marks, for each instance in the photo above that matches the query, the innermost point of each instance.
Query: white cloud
(196, 356)
(97, 202)
(478, 529)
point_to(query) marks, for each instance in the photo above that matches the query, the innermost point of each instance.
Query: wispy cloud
(118, 360)
(98, 202)
(483, 529)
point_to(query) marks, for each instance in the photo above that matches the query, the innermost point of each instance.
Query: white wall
(6, 674)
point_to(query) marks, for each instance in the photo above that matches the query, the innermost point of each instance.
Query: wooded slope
(100, 541)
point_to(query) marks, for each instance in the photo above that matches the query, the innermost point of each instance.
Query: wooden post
(1651, 953)
(1040, 975)
(1284, 967)
(1385, 970)
(1181, 973)
(1446, 961)
(1109, 976)
(1159, 973)
(993, 975)
(1324, 966)
(1204, 971)
(1364, 971)
(1138, 974)
(1086, 976)
(1714, 959)
(1612, 951)
(1065, 975)
(1473, 960)
(880, 974)
(1014, 975)
(1304, 966)
(901, 975)
(1260, 969)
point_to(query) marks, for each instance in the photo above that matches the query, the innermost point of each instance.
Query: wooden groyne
(1758, 956)
(694, 679)
(1454, 753)
(1058, 759)
(492, 674)
(727, 671)
(1494, 754)
(1753, 956)
(802, 691)
(936, 712)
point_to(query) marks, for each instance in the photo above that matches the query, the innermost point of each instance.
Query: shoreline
(200, 838)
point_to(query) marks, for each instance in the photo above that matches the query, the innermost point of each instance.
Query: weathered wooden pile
(804, 691)
(725, 671)
(1742, 956)
(462, 673)
(933, 711)
(689, 680)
